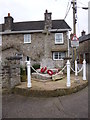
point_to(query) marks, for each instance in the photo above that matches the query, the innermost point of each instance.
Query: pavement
(49, 88)
(68, 106)
(50, 99)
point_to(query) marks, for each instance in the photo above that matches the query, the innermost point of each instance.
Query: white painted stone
(28, 74)
(68, 74)
(84, 70)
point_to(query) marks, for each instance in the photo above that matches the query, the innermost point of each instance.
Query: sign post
(74, 44)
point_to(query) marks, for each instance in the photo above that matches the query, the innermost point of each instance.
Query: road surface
(69, 106)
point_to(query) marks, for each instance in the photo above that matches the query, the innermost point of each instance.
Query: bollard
(68, 74)
(84, 70)
(75, 68)
(76, 73)
(28, 74)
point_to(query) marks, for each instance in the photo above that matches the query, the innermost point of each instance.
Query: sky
(33, 10)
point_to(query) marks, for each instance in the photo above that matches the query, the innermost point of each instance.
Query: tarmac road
(70, 106)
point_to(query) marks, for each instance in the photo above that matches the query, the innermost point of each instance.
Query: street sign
(74, 41)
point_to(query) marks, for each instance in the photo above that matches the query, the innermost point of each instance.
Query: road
(70, 106)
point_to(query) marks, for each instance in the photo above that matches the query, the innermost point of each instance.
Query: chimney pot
(83, 33)
(8, 14)
(46, 11)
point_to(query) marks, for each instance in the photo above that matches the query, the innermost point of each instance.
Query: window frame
(60, 42)
(0, 40)
(27, 38)
(59, 53)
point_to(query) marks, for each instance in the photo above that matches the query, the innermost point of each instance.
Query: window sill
(59, 43)
(27, 42)
(58, 59)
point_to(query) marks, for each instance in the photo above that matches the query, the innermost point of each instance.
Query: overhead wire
(67, 9)
(67, 6)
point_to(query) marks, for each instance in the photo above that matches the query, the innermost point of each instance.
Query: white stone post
(28, 74)
(75, 68)
(68, 74)
(84, 70)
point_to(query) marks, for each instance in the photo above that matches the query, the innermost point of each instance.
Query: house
(89, 17)
(84, 47)
(44, 42)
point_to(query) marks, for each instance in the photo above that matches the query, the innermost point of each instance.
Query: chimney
(48, 20)
(83, 33)
(8, 23)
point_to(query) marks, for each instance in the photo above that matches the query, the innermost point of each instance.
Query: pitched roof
(38, 25)
(30, 25)
(84, 38)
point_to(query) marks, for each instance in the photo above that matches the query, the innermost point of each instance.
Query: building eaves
(60, 25)
(84, 38)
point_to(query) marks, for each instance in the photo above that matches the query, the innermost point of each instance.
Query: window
(27, 38)
(19, 54)
(0, 40)
(58, 55)
(59, 38)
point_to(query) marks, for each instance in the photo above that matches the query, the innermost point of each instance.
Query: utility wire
(67, 6)
(67, 12)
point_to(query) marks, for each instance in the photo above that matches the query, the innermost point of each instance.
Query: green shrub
(23, 75)
(23, 72)
(35, 66)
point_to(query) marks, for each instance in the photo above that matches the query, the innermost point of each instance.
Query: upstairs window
(27, 38)
(0, 40)
(58, 55)
(59, 38)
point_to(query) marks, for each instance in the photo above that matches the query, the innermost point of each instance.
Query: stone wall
(10, 73)
(41, 46)
(84, 47)
(83, 50)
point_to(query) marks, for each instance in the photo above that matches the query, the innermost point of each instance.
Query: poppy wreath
(43, 69)
(50, 72)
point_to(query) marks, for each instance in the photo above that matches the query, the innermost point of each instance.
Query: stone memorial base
(41, 76)
(46, 76)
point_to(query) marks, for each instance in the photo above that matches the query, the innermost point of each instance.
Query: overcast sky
(33, 10)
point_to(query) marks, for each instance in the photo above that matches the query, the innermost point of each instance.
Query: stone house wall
(83, 50)
(41, 46)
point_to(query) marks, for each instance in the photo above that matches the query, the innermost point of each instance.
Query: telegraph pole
(74, 17)
(74, 3)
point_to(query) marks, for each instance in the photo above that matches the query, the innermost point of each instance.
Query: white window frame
(0, 40)
(58, 56)
(27, 38)
(59, 42)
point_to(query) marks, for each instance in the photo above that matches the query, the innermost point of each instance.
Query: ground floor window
(58, 55)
